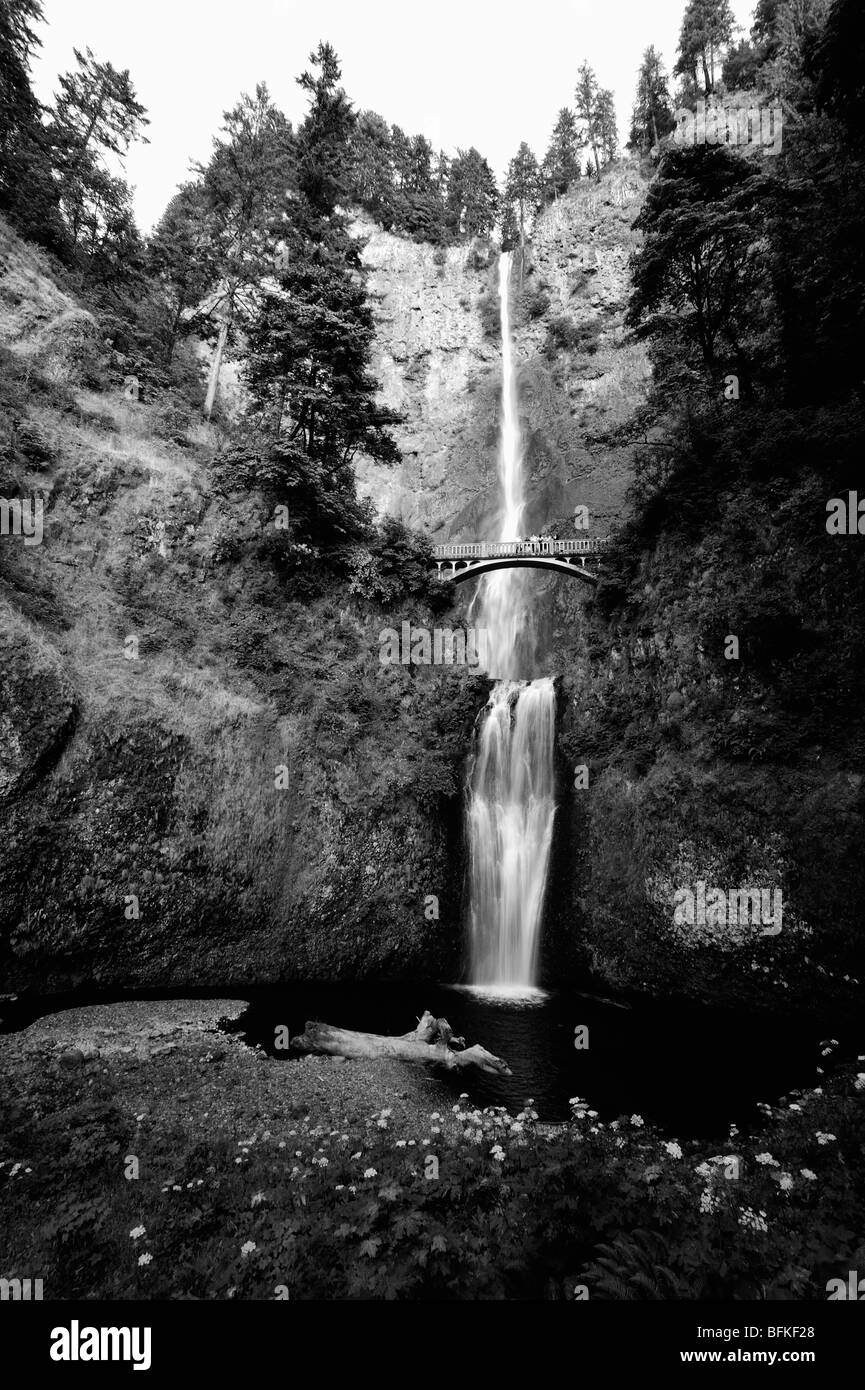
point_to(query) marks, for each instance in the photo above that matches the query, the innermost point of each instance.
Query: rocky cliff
(438, 358)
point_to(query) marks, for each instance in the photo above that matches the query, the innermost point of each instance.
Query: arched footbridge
(578, 558)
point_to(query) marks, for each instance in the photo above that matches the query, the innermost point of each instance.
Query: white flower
(859, 1081)
(137, 1232)
(340, 1187)
(637, 1120)
(807, 1173)
(370, 1173)
(766, 1159)
(357, 1155)
(247, 1248)
(708, 1201)
(753, 1220)
(352, 1188)
(400, 1144)
(825, 1138)
(785, 1182)
(145, 1258)
(673, 1149)
(498, 1153)
(256, 1199)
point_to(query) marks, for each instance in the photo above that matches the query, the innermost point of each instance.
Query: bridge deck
(544, 545)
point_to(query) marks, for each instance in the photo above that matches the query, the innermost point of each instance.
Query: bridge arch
(469, 569)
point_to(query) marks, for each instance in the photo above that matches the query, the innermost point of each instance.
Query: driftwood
(431, 1042)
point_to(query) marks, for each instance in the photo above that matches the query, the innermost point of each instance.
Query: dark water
(692, 1071)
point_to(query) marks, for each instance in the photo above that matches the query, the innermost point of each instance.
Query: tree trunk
(431, 1042)
(215, 368)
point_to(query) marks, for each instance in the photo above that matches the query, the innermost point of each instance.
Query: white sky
(462, 72)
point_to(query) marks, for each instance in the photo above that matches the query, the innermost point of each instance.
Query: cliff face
(438, 358)
(200, 780)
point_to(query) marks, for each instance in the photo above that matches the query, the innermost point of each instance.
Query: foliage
(472, 1204)
(561, 166)
(652, 117)
(707, 28)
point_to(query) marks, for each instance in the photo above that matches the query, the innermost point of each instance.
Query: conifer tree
(96, 115)
(586, 99)
(707, 28)
(28, 193)
(310, 341)
(244, 183)
(473, 197)
(523, 188)
(652, 117)
(561, 165)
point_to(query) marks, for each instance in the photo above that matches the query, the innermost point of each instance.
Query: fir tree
(707, 28)
(523, 188)
(309, 344)
(653, 117)
(561, 165)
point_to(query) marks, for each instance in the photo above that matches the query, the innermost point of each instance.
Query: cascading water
(511, 804)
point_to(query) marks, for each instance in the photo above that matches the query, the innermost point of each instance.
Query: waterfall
(511, 801)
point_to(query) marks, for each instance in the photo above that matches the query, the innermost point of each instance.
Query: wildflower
(708, 1201)
(370, 1173)
(498, 1153)
(400, 1144)
(137, 1232)
(256, 1199)
(825, 1138)
(673, 1149)
(145, 1258)
(357, 1155)
(794, 1106)
(637, 1121)
(767, 1160)
(785, 1182)
(320, 1161)
(340, 1187)
(351, 1187)
(859, 1081)
(435, 1115)
(753, 1220)
(807, 1173)
(247, 1248)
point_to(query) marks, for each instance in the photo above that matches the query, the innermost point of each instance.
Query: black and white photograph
(432, 675)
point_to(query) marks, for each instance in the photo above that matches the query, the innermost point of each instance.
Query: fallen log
(431, 1042)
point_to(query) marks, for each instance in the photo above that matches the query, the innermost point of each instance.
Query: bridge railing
(545, 545)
